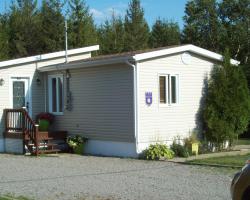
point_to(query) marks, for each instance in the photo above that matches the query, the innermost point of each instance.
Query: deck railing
(19, 121)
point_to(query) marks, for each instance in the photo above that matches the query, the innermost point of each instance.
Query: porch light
(2, 82)
(68, 74)
(38, 81)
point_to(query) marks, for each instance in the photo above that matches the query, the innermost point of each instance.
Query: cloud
(100, 16)
(96, 13)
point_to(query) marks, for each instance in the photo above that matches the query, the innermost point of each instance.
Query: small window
(163, 98)
(168, 85)
(56, 94)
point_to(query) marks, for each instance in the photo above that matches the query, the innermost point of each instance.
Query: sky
(172, 10)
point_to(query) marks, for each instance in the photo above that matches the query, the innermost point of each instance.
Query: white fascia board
(190, 48)
(92, 63)
(48, 56)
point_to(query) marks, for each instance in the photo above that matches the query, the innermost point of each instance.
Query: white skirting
(110, 148)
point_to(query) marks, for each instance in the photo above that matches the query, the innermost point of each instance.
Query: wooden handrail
(18, 120)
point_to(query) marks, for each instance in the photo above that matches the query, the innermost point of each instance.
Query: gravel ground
(67, 177)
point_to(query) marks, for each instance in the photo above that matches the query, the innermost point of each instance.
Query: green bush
(179, 150)
(157, 152)
(75, 140)
(227, 107)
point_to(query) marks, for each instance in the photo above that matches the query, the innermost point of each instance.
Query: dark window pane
(18, 94)
(54, 95)
(162, 89)
(173, 90)
(60, 94)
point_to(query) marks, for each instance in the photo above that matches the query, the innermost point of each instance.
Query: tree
(235, 17)
(51, 29)
(82, 31)
(227, 108)
(201, 24)
(164, 33)
(4, 37)
(23, 28)
(111, 36)
(136, 27)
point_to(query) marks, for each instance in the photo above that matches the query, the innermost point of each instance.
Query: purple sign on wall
(148, 98)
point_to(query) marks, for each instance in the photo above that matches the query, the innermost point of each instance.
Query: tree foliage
(227, 108)
(51, 26)
(136, 27)
(235, 18)
(23, 29)
(202, 25)
(111, 36)
(4, 37)
(82, 31)
(164, 33)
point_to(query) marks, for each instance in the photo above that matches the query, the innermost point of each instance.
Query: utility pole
(66, 41)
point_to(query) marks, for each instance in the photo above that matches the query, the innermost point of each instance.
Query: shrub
(157, 152)
(76, 140)
(179, 150)
(227, 108)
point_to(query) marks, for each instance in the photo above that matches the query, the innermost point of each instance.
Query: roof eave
(185, 48)
(86, 64)
(48, 56)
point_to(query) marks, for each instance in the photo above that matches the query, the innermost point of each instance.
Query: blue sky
(102, 9)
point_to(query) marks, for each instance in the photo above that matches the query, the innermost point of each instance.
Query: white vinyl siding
(56, 94)
(160, 122)
(36, 91)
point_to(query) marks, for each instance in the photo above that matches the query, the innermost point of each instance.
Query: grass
(238, 160)
(12, 197)
(242, 142)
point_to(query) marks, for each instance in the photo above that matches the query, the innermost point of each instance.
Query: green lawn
(238, 160)
(242, 142)
(11, 197)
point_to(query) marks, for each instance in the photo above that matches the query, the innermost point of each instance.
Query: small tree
(164, 33)
(227, 109)
(136, 27)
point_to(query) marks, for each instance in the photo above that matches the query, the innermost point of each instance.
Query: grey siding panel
(102, 99)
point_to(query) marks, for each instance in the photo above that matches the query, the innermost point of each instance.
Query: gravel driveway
(97, 178)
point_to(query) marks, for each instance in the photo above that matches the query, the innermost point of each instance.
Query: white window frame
(168, 89)
(50, 77)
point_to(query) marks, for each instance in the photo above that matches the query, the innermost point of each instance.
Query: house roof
(137, 56)
(48, 56)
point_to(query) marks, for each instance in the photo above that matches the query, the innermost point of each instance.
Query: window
(168, 85)
(56, 94)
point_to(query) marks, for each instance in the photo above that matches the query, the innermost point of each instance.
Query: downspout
(135, 99)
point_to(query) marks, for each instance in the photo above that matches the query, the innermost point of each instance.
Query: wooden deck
(19, 125)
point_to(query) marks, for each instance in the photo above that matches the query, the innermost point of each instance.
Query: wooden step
(48, 151)
(42, 144)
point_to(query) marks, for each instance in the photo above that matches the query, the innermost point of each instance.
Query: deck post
(36, 139)
(23, 128)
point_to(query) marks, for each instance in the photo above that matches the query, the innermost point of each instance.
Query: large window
(168, 85)
(56, 94)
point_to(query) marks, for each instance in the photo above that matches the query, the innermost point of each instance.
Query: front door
(20, 93)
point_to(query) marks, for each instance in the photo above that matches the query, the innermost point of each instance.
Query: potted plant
(44, 120)
(76, 142)
(192, 143)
